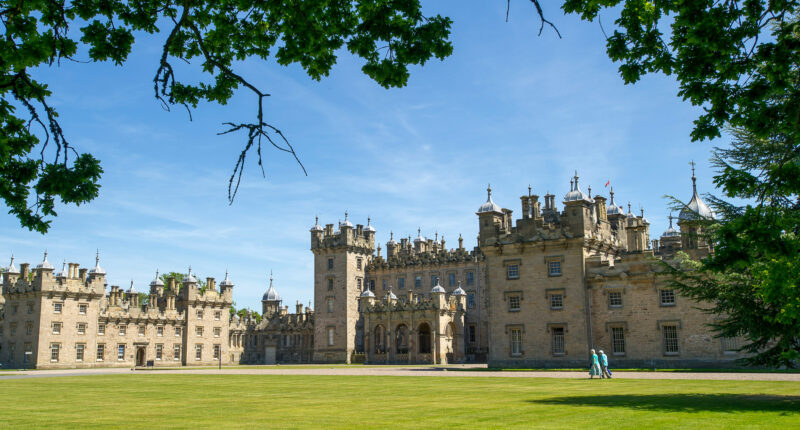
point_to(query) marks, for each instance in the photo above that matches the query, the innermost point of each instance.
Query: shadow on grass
(685, 402)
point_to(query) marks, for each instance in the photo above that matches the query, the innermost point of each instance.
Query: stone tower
(340, 259)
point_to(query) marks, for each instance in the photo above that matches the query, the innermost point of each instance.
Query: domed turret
(613, 209)
(368, 293)
(391, 239)
(157, 282)
(671, 232)
(369, 228)
(132, 289)
(97, 270)
(419, 237)
(63, 272)
(11, 268)
(575, 193)
(630, 212)
(271, 295)
(644, 220)
(226, 282)
(346, 222)
(189, 277)
(316, 226)
(438, 289)
(459, 291)
(45, 264)
(697, 208)
(489, 206)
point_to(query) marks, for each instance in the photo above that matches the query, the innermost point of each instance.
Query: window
(198, 352)
(29, 328)
(330, 304)
(176, 352)
(101, 328)
(471, 333)
(618, 340)
(667, 298)
(358, 284)
(558, 340)
(159, 351)
(101, 351)
(14, 309)
(121, 352)
(330, 284)
(331, 332)
(30, 308)
(198, 331)
(670, 333)
(177, 331)
(82, 309)
(56, 307)
(470, 278)
(418, 282)
(556, 301)
(330, 264)
(401, 283)
(56, 328)
(513, 303)
(217, 331)
(81, 328)
(217, 315)
(123, 330)
(141, 330)
(470, 300)
(79, 349)
(730, 344)
(199, 314)
(27, 348)
(516, 341)
(13, 327)
(451, 279)
(554, 268)
(358, 263)
(383, 284)
(55, 349)
(512, 271)
(217, 351)
(434, 280)
(160, 330)
(615, 299)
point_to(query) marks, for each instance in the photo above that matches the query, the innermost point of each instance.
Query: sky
(508, 108)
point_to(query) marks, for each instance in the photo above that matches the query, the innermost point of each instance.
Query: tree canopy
(389, 36)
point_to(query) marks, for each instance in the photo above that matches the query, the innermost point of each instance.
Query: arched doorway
(424, 338)
(401, 339)
(140, 356)
(450, 342)
(380, 340)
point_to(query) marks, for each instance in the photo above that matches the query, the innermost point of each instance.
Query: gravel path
(443, 371)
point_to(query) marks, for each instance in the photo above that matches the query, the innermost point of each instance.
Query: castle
(538, 291)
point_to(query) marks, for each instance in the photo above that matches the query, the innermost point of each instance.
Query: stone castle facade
(537, 291)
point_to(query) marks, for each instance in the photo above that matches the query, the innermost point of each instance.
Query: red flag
(608, 183)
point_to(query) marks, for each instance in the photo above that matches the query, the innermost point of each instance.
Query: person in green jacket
(595, 369)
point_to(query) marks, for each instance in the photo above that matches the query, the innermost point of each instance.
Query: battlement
(347, 236)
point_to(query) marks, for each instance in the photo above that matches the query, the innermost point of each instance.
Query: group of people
(599, 366)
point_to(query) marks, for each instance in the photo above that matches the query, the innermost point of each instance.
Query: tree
(178, 277)
(751, 279)
(735, 59)
(388, 35)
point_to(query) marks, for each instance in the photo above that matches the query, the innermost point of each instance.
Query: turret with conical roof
(692, 219)
(271, 300)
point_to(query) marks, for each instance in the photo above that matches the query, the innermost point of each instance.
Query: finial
(190, 271)
(436, 236)
(316, 220)
(529, 190)
(419, 232)
(670, 219)
(489, 192)
(391, 235)
(571, 187)
(590, 191)
(368, 220)
(642, 211)
(96, 257)
(45, 254)
(576, 179)
(629, 207)
(12, 260)
(131, 283)
(694, 179)
(345, 215)
(156, 273)
(270, 277)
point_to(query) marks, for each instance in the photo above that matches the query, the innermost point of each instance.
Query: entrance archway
(140, 356)
(424, 338)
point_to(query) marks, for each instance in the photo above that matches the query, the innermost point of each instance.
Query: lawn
(258, 401)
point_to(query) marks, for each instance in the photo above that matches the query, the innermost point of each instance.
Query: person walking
(604, 372)
(595, 369)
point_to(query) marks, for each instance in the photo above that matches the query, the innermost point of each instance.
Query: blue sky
(507, 108)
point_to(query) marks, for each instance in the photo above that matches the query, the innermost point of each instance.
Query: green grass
(256, 401)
